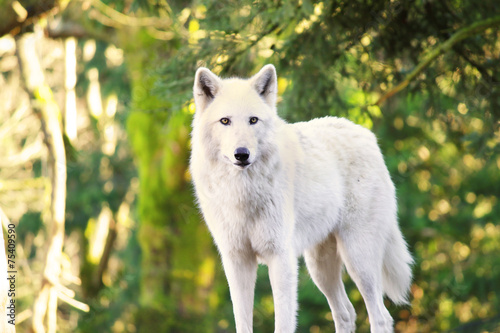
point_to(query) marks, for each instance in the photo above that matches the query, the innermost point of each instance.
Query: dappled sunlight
(94, 99)
(439, 255)
(97, 232)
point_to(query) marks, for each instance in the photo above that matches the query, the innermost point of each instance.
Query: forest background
(94, 144)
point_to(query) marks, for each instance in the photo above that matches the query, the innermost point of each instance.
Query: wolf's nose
(241, 154)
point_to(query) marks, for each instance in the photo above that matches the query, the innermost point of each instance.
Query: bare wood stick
(73, 302)
(458, 36)
(26, 314)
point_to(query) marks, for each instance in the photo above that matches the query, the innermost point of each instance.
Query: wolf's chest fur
(249, 206)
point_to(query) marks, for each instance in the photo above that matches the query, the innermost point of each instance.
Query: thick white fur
(319, 189)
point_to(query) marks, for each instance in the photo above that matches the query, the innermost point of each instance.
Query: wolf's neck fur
(250, 189)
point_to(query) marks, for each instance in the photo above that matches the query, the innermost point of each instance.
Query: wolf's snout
(241, 154)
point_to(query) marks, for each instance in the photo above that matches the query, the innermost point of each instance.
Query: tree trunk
(179, 264)
(45, 305)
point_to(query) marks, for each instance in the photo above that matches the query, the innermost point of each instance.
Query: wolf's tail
(397, 274)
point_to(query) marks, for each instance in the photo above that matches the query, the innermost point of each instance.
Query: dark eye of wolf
(225, 121)
(253, 120)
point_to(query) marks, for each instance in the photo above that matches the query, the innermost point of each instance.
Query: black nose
(241, 154)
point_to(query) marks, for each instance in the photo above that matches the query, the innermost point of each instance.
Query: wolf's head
(235, 117)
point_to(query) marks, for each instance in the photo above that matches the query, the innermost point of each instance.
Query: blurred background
(94, 145)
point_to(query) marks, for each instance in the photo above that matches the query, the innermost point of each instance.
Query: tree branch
(16, 14)
(120, 19)
(29, 152)
(7, 185)
(458, 36)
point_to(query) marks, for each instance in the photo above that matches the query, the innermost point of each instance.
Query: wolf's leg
(325, 266)
(241, 273)
(283, 276)
(362, 252)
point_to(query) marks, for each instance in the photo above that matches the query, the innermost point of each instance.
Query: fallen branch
(458, 36)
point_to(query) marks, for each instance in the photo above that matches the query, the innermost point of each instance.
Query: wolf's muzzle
(242, 154)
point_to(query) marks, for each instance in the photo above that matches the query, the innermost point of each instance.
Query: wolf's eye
(225, 121)
(254, 120)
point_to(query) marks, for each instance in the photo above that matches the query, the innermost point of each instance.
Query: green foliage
(440, 138)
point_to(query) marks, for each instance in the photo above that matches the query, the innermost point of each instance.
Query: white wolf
(271, 191)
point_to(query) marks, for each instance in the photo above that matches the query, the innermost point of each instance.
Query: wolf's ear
(206, 87)
(266, 84)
